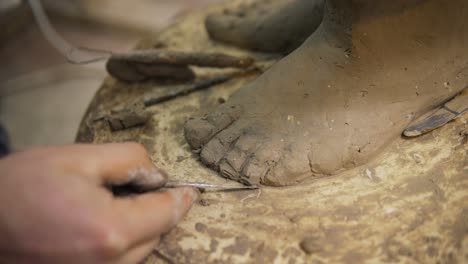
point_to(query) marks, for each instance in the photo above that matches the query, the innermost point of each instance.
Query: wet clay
(180, 58)
(267, 25)
(141, 65)
(137, 72)
(371, 214)
(123, 119)
(343, 96)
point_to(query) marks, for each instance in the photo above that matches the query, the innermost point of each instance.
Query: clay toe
(216, 149)
(233, 164)
(260, 165)
(199, 131)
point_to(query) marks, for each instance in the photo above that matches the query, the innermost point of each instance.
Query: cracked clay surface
(408, 205)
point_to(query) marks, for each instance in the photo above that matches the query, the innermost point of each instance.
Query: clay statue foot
(267, 25)
(339, 99)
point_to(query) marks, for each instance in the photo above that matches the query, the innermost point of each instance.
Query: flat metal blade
(448, 112)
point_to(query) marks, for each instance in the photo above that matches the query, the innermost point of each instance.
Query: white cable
(66, 49)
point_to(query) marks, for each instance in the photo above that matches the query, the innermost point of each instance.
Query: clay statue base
(408, 205)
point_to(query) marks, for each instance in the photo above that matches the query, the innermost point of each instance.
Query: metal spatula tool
(448, 112)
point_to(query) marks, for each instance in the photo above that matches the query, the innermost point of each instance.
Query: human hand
(55, 207)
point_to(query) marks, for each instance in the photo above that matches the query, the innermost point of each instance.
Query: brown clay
(267, 25)
(137, 66)
(343, 96)
(371, 214)
(180, 58)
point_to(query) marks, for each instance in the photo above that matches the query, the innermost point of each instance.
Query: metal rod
(203, 185)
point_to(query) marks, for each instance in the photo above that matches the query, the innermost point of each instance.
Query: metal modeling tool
(203, 185)
(133, 188)
(448, 112)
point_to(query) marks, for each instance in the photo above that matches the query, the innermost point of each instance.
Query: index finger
(113, 164)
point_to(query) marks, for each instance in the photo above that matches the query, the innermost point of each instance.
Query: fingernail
(157, 175)
(183, 196)
(188, 194)
(194, 194)
(149, 178)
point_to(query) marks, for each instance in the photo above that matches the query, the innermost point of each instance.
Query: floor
(42, 98)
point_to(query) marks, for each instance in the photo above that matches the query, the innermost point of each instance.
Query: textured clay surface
(407, 205)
